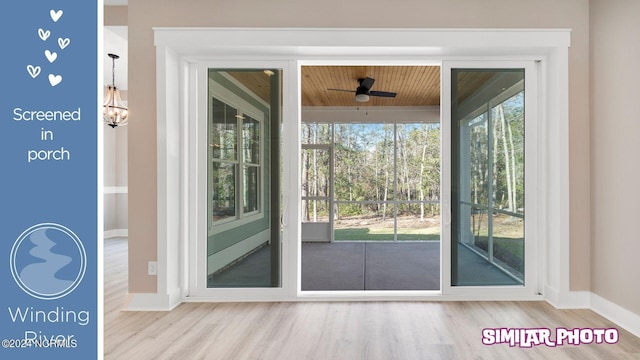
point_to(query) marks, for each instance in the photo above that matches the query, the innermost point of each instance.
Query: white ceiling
(115, 2)
(115, 42)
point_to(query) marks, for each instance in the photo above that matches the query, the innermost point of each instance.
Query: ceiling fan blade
(351, 91)
(366, 83)
(382, 93)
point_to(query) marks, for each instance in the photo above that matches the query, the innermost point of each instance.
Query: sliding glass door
(467, 169)
(488, 167)
(243, 169)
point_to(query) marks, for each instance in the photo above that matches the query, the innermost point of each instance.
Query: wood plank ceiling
(414, 85)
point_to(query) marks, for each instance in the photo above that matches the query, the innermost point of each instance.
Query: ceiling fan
(364, 90)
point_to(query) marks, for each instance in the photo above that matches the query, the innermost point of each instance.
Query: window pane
(315, 133)
(364, 162)
(224, 125)
(251, 140)
(315, 173)
(487, 177)
(478, 165)
(508, 175)
(479, 222)
(418, 222)
(364, 222)
(315, 211)
(223, 191)
(508, 242)
(251, 189)
(418, 162)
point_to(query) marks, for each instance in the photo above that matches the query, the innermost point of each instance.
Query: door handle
(283, 216)
(446, 213)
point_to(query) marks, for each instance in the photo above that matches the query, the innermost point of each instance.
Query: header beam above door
(313, 42)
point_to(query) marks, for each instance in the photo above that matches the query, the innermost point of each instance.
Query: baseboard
(587, 300)
(552, 296)
(116, 233)
(567, 300)
(152, 301)
(626, 319)
(175, 298)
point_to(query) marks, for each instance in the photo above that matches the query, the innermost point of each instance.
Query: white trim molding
(567, 300)
(318, 42)
(622, 317)
(152, 301)
(626, 319)
(177, 49)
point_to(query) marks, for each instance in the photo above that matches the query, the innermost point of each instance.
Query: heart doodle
(63, 43)
(34, 71)
(55, 79)
(51, 56)
(44, 34)
(55, 15)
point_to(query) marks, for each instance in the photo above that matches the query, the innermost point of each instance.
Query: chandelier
(115, 113)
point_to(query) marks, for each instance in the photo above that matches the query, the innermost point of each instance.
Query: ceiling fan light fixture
(363, 91)
(362, 97)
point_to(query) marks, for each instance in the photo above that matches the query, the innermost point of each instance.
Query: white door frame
(178, 48)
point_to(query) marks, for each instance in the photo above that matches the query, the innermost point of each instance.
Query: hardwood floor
(336, 330)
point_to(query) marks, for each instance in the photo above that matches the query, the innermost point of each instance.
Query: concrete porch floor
(365, 266)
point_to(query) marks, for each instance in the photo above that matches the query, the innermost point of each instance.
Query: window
(224, 158)
(235, 166)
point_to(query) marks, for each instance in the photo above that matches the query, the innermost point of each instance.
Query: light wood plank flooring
(335, 330)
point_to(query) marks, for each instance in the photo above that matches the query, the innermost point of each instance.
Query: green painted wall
(233, 236)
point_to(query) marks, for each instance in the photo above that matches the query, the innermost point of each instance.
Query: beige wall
(115, 149)
(615, 168)
(115, 15)
(115, 175)
(115, 153)
(145, 14)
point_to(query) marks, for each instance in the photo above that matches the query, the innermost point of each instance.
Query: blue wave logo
(48, 261)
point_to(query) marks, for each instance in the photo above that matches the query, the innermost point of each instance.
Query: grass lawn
(386, 234)
(508, 250)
